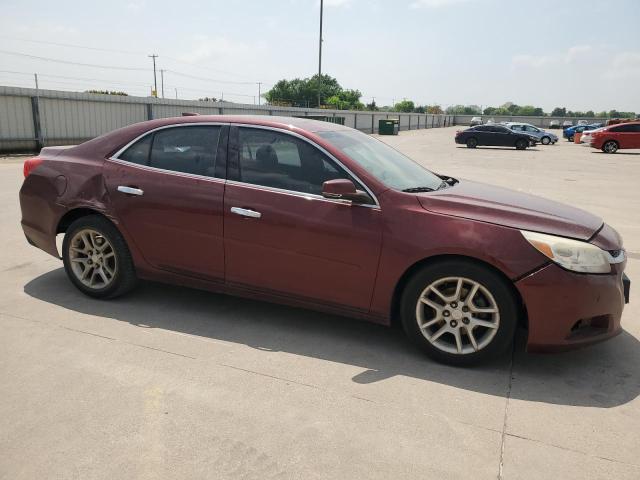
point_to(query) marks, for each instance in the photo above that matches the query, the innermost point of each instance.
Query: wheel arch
(75, 213)
(420, 264)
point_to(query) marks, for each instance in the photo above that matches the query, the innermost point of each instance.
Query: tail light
(30, 164)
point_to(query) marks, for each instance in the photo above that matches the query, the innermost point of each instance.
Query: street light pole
(259, 87)
(162, 81)
(155, 81)
(320, 54)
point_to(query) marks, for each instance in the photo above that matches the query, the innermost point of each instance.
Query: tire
(97, 259)
(570, 139)
(472, 142)
(521, 144)
(610, 146)
(545, 140)
(445, 275)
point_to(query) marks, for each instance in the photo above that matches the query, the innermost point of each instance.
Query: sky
(579, 55)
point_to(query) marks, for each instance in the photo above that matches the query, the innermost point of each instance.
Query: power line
(211, 79)
(67, 62)
(125, 52)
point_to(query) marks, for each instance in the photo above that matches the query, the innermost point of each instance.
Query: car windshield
(383, 162)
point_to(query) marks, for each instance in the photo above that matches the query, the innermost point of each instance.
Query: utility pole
(259, 85)
(176, 89)
(162, 81)
(36, 77)
(320, 54)
(155, 81)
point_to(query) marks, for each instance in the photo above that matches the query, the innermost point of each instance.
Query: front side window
(189, 149)
(277, 160)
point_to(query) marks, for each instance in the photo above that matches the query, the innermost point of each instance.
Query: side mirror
(343, 189)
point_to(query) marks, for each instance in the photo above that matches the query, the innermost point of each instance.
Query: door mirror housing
(343, 189)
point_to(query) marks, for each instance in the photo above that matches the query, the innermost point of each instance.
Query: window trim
(115, 156)
(295, 192)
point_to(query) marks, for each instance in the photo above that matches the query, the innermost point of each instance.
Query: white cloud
(624, 66)
(436, 3)
(571, 55)
(205, 47)
(337, 3)
(532, 61)
(575, 53)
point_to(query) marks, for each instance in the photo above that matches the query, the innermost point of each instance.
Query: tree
(434, 110)
(304, 92)
(107, 92)
(419, 109)
(405, 106)
(372, 106)
(559, 112)
(208, 99)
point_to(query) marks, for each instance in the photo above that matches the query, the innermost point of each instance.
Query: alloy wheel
(610, 147)
(92, 258)
(457, 315)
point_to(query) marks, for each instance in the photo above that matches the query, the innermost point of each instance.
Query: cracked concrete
(177, 383)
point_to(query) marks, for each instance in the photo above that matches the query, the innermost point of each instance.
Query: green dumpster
(390, 126)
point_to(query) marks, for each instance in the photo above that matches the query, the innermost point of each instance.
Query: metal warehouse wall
(31, 119)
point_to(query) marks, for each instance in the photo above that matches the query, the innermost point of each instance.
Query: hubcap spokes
(457, 315)
(93, 259)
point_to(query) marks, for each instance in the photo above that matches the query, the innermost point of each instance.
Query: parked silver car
(542, 136)
(475, 121)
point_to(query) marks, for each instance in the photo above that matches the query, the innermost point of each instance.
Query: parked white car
(585, 139)
(476, 121)
(543, 136)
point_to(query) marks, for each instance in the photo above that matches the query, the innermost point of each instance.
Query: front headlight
(573, 254)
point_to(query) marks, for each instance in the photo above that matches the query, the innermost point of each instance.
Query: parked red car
(612, 138)
(318, 215)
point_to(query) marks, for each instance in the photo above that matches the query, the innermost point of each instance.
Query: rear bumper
(569, 310)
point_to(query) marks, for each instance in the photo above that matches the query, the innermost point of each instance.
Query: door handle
(130, 190)
(245, 212)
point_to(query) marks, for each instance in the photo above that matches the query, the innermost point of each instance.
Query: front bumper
(568, 310)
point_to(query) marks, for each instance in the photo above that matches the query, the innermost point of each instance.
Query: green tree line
(325, 92)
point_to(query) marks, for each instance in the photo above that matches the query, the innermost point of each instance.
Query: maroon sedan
(322, 216)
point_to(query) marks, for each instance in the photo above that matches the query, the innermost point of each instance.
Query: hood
(502, 206)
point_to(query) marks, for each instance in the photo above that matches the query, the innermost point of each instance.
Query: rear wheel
(570, 138)
(97, 259)
(545, 140)
(521, 144)
(610, 147)
(459, 312)
(472, 142)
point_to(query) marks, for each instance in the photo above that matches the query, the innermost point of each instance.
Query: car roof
(109, 142)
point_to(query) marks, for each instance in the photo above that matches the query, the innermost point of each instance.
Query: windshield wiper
(419, 189)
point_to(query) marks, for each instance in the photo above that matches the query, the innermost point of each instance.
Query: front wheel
(546, 140)
(570, 139)
(97, 259)
(521, 144)
(472, 143)
(610, 147)
(459, 312)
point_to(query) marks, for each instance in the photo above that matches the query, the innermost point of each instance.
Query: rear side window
(189, 149)
(626, 129)
(138, 152)
(278, 160)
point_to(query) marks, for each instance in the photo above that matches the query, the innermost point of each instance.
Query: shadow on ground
(604, 375)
